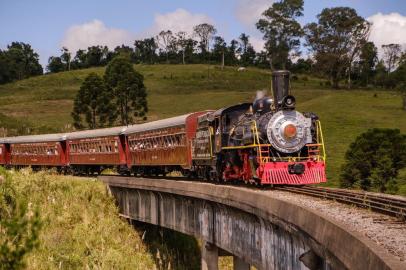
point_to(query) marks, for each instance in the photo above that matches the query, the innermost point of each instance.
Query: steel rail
(375, 202)
(382, 204)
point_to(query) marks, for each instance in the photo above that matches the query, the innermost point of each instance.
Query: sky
(48, 25)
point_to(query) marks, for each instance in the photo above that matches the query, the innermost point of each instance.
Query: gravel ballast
(387, 232)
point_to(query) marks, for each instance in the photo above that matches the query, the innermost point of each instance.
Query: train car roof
(163, 123)
(226, 109)
(35, 138)
(94, 133)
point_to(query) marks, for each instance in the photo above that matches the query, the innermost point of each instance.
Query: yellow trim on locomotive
(321, 156)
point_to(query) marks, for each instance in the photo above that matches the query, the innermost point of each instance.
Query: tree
(190, 48)
(22, 61)
(374, 159)
(302, 66)
(336, 40)
(125, 51)
(129, 90)
(204, 32)
(244, 41)
(80, 59)
(5, 73)
(182, 42)
(94, 56)
(166, 40)
(94, 102)
(281, 31)
(66, 57)
(380, 74)
(55, 64)
(19, 227)
(391, 55)
(145, 50)
(246, 51)
(367, 61)
(399, 76)
(231, 56)
(219, 49)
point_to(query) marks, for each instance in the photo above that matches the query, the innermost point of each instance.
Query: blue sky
(49, 25)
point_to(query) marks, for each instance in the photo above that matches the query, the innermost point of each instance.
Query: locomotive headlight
(288, 131)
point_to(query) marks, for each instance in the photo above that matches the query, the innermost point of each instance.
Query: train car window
(154, 143)
(160, 142)
(115, 146)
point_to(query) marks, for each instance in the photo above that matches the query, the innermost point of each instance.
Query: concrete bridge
(256, 228)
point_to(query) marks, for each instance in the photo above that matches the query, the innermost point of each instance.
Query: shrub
(19, 226)
(374, 160)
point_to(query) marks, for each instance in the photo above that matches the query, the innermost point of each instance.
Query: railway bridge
(252, 225)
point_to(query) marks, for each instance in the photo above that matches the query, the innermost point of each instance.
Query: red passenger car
(161, 146)
(37, 151)
(4, 152)
(92, 151)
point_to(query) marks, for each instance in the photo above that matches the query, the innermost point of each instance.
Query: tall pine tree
(94, 103)
(129, 90)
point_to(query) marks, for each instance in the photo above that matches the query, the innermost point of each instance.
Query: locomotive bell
(281, 89)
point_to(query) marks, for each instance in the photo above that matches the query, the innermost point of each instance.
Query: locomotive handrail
(320, 139)
(256, 144)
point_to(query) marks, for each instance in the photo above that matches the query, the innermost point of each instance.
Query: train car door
(7, 154)
(217, 135)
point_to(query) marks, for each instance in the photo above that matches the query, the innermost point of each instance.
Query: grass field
(80, 228)
(44, 103)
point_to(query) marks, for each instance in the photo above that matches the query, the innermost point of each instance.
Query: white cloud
(248, 12)
(257, 43)
(178, 20)
(388, 28)
(95, 33)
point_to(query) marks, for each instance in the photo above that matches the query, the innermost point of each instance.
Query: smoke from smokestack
(260, 94)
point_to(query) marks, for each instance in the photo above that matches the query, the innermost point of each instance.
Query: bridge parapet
(259, 229)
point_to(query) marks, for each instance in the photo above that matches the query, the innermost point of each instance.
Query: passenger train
(266, 142)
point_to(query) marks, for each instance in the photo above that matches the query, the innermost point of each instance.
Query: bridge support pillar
(239, 264)
(210, 256)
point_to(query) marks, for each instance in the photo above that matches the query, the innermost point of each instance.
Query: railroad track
(382, 204)
(378, 203)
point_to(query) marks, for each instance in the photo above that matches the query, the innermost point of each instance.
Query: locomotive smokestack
(280, 86)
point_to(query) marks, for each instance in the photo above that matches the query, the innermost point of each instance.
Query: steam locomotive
(267, 142)
(264, 142)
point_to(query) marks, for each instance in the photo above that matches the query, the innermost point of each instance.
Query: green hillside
(44, 103)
